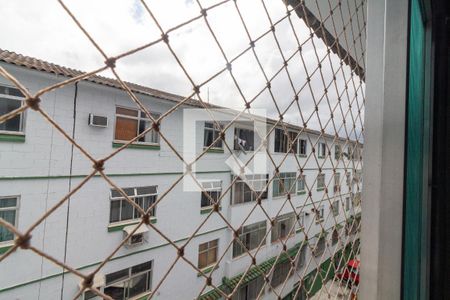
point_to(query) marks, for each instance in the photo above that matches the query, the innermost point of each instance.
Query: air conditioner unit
(137, 236)
(136, 239)
(98, 121)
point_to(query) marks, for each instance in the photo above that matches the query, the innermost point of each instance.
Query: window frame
(301, 259)
(135, 196)
(321, 147)
(253, 195)
(236, 137)
(283, 176)
(335, 208)
(22, 115)
(322, 181)
(281, 273)
(16, 217)
(129, 279)
(320, 214)
(138, 119)
(301, 181)
(337, 151)
(242, 233)
(208, 190)
(215, 131)
(206, 251)
(300, 148)
(290, 231)
(337, 182)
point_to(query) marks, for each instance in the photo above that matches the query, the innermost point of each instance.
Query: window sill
(119, 226)
(6, 246)
(207, 270)
(320, 189)
(214, 150)
(12, 137)
(302, 155)
(321, 157)
(301, 193)
(246, 203)
(137, 146)
(207, 210)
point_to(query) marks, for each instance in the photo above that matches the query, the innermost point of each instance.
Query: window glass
(284, 183)
(130, 123)
(301, 183)
(302, 146)
(122, 210)
(7, 105)
(211, 134)
(207, 253)
(244, 139)
(8, 212)
(251, 236)
(283, 227)
(250, 188)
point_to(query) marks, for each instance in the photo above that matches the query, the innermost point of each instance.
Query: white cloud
(44, 30)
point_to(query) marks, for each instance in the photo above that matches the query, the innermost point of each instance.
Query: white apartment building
(39, 166)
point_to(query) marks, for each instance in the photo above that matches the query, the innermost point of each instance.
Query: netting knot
(181, 251)
(111, 62)
(88, 281)
(204, 12)
(165, 38)
(252, 44)
(247, 105)
(228, 66)
(23, 241)
(99, 165)
(216, 207)
(254, 261)
(156, 126)
(196, 89)
(146, 218)
(33, 103)
(296, 98)
(209, 281)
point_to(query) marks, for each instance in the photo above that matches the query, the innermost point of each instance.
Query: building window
(337, 183)
(350, 152)
(322, 150)
(292, 142)
(129, 282)
(10, 100)
(251, 290)
(251, 237)
(337, 152)
(281, 143)
(283, 227)
(335, 208)
(320, 246)
(211, 191)
(321, 181)
(244, 139)
(301, 184)
(284, 183)
(301, 260)
(320, 213)
(349, 178)
(207, 253)
(347, 203)
(302, 147)
(250, 188)
(300, 223)
(8, 212)
(122, 210)
(334, 237)
(132, 122)
(280, 273)
(212, 134)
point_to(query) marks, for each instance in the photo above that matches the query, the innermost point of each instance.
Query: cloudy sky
(44, 30)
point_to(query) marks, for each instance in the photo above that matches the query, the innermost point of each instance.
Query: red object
(350, 273)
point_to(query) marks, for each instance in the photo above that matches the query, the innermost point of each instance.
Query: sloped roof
(44, 66)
